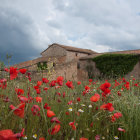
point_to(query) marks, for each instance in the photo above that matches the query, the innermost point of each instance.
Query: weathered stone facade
(70, 62)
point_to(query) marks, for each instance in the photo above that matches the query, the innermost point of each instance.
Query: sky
(27, 27)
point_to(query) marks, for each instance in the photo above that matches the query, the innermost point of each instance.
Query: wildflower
(13, 73)
(45, 80)
(25, 137)
(120, 129)
(52, 84)
(95, 98)
(117, 115)
(54, 130)
(54, 119)
(69, 84)
(19, 110)
(83, 105)
(70, 103)
(38, 99)
(23, 71)
(116, 138)
(23, 99)
(59, 80)
(90, 80)
(72, 125)
(67, 113)
(78, 99)
(42, 138)
(9, 135)
(35, 110)
(64, 94)
(80, 110)
(107, 106)
(90, 106)
(70, 109)
(83, 138)
(87, 88)
(103, 137)
(97, 137)
(79, 83)
(35, 136)
(50, 113)
(39, 83)
(19, 91)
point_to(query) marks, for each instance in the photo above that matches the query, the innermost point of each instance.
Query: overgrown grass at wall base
(115, 65)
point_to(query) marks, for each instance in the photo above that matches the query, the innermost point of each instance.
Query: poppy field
(68, 110)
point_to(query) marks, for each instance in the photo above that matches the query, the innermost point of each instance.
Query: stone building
(69, 62)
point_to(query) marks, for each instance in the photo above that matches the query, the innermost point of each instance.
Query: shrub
(116, 65)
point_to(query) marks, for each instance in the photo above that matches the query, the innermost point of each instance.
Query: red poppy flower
(67, 113)
(83, 138)
(79, 83)
(117, 115)
(87, 88)
(105, 87)
(64, 94)
(29, 76)
(45, 80)
(52, 84)
(19, 91)
(59, 94)
(107, 106)
(19, 110)
(90, 80)
(23, 99)
(70, 102)
(39, 83)
(95, 98)
(35, 110)
(9, 135)
(23, 71)
(54, 130)
(72, 125)
(78, 99)
(46, 88)
(54, 119)
(42, 138)
(50, 113)
(69, 84)
(3, 83)
(13, 73)
(38, 91)
(38, 99)
(59, 80)
(6, 69)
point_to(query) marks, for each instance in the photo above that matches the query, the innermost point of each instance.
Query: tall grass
(91, 122)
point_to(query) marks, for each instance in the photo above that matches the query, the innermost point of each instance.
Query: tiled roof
(70, 48)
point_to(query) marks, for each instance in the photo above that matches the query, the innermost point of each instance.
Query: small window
(78, 66)
(76, 54)
(54, 64)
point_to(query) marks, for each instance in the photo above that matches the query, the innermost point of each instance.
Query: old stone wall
(74, 55)
(54, 51)
(67, 70)
(135, 72)
(88, 67)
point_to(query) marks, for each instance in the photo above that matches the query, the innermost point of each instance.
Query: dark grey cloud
(15, 36)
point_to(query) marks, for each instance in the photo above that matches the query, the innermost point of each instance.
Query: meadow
(68, 110)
